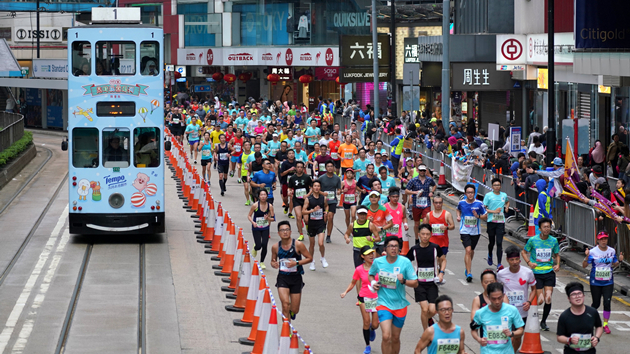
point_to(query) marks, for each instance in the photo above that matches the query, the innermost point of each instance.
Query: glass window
(85, 147)
(150, 58)
(146, 147)
(115, 58)
(115, 147)
(116, 109)
(81, 58)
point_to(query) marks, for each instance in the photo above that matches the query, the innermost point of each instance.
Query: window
(81, 58)
(115, 58)
(85, 147)
(146, 147)
(116, 109)
(150, 58)
(5, 32)
(115, 147)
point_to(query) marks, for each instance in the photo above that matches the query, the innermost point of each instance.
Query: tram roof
(117, 25)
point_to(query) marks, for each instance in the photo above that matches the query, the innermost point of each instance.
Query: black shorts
(177, 131)
(293, 282)
(315, 227)
(348, 206)
(272, 159)
(244, 179)
(426, 292)
(379, 249)
(444, 250)
(356, 257)
(337, 164)
(298, 202)
(547, 279)
(469, 240)
(205, 162)
(332, 208)
(223, 168)
(344, 169)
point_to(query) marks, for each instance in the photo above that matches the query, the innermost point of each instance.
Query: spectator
(471, 129)
(612, 155)
(622, 163)
(536, 146)
(596, 177)
(532, 135)
(502, 163)
(597, 154)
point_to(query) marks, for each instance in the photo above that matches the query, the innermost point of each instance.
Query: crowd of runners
(311, 168)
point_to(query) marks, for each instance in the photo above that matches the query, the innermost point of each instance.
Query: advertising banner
(511, 49)
(50, 68)
(276, 56)
(358, 50)
(602, 24)
(461, 174)
(326, 73)
(363, 74)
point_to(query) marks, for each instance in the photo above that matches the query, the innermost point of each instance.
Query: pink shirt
(361, 274)
(397, 216)
(259, 130)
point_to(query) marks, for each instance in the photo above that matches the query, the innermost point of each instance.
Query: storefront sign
(430, 48)
(285, 72)
(411, 50)
(358, 50)
(350, 19)
(603, 89)
(537, 48)
(181, 70)
(326, 74)
(276, 56)
(511, 49)
(363, 74)
(542, 81)
(50, 68)
(30, 34)
(602, 24)
(480, 77)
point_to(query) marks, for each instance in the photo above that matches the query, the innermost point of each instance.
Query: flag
(570, 163)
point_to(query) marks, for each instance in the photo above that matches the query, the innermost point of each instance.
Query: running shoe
(500, 267)
(262, 266)
(238, 180)
(292, 315)
(195, 162)
(489, 259)
(328, 239)
(544, 327)
(291, 216)
(254, 252)
(312, 267)
(222, 193)
(248, 203)
(324, 263)
(468, 276)
(367, 350)
(372, 334)
(232, 174)
(606, 329)
(301, 238)
(286, 210)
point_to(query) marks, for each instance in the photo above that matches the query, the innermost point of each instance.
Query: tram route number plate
(116, 169)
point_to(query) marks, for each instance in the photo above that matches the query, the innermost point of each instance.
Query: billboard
(602, 24)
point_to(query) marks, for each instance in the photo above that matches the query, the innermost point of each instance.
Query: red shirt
(238, 146)
(334, 149)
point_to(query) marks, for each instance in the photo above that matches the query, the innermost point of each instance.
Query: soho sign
(430, 48)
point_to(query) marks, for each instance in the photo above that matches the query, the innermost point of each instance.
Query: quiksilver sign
(351, 19)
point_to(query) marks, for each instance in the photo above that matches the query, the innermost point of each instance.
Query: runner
(540, 252)
(441, 221)
(360, 165)
(334, 145)
(215, 136)
(500, 323)
(236, 145)
(265, 179)
(300, 154)
(576, 324)
(316, 222)
(520, 286)
(366, 297)
(428, 257)
(421, 189)
(247, 152)
(192, 134)
(399, 217)
(287, 169)
(331, 185)
(444, 336)
(364, 183)
(274, 147)
(378, 214)
(313, 133)
(602, 260)
(487, 277)
(260, 215)
(206, 157)
(222, 151)
(349, 195)
(347, 151)
(386, 181)
(364, 233)
(469, 211)
(321, 160)
(289, 256)
(299, 188)
(496, 203)
(394, 272)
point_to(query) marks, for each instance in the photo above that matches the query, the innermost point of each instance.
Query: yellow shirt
(283, 137)
(214, 135)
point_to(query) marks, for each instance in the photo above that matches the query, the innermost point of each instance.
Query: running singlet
(206, 151)
(349, 196)
(238, 147)
(438, 236)
(601, 262)
(285, 256)
(380, 217)
(318, 215)
(259, 218)
(224, 154)
(244, 159)
(360, 232)
(397, 218)
(445, 343)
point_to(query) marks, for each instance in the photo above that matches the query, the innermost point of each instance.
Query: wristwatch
(403, 281)
(442, 272)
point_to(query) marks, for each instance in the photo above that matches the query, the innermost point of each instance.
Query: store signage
(511, 67)
(602, 24)
(350, 19)
(326, 73)
(411, 50)
(50, 68)
(181, 70)
(259, 56)
(543, 79)
(511, 49)
(363, 74)
(537, 49)
(359, 51)
(30, 34)
(285, 72)
(170, 67)
(603, 89)
(480, 77)
(430, 48)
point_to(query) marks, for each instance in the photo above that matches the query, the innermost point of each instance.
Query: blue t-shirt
(361, 166)
(491, 322)
(541, 252)
(492, 201)
(206, 151)
(469, 224)
(241, 123)
(310, 131)
(392, 292)
(388, 182)
(194, 132)
(274, 146)
(383, 199)
(301, 156)
(601, 265)
(290, 142)
(266, 178)
(388, 164)
(251, 157)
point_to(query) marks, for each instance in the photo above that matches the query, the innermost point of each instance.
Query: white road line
(449, 272)
(461, 306)
(543, 339)
(478, 293)
(18, 308)
(560, 286)
(560, 350)
(463, 282)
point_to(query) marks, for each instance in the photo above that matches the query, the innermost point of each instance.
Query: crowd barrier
(247, 284)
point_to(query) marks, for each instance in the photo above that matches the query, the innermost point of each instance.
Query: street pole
(551, 86)
(392, 30)
(446, 63)
(37, 33)
(375, 59)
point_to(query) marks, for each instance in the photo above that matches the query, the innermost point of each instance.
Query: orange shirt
(347, 153)
(334, 149)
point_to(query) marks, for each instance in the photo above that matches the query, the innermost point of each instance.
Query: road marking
(543, 339)
(621, 300)
(461, 306)
(478, 293)
(560, 286)
(560, 350)
(449, 272)
(463, 282)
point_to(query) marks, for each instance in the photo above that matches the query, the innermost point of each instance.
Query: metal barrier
(11, 129)
(581, 223)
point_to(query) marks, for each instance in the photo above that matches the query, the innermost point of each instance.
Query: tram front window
(85, 147)
(115, 58)
(81, 58)
(150, 60)
(146, 147)
(115, 147)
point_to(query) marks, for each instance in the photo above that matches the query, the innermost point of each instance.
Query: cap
(275, 135)
(384, 154)
(409, 159)
(374, 193)
(558, 162)
(433, 120)
(601, 235)
(422, 168)
(597, 169)
(365, 250)
(362, 211)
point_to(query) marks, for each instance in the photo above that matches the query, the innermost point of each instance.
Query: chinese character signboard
(430, 48)
(285, 72)
(480, 77)
(359, 51)
(411, 50)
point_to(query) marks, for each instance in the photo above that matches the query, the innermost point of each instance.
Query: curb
(16, 165)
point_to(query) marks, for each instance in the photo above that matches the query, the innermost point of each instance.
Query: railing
(11, 129)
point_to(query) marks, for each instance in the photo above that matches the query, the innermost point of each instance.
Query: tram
(116, 125)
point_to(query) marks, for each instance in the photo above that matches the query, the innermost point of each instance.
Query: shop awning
(9, 66)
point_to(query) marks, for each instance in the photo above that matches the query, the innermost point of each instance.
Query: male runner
(299, 188)
(334, 145)
(421, 189)
(399, 217)
(265, 179)
(289, 256)
(444, 336)
(247, 152)
(379, 215)
(441, 221)
(496, 203)
(321, 160)
(331, 186)
(316, 208)
(469, 212)
(287, 169)
(347, 151)
(577, 323)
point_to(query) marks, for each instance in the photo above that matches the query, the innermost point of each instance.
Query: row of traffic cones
(247, 285)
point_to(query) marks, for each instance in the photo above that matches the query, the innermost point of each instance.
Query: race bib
(322, 167)
(284, 265)
(241, 126)
(470, 221)
(206, 153)
(262, 222)
(237, 148)
(370, 304)
(317, 214)
(426, 274)
(273, 152)
(543, 255)
(387, 280)
(268, 189)
(448, 346)
(385, 192)
(496, 335)
(348, 156)
(335, 156)
(421, 202)
(603, 273)
(349, 198)
(175, 120)
(194, 135)
(300, 193)
(331, 195)
(583, 344)
(436, 230)
(223, 156)
(516, 298)
(498, 218)
(394, 230)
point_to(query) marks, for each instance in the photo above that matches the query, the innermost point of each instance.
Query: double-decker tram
(116, 125)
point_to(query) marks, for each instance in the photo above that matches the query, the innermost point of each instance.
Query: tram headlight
(116, 200)
(157, 202)
(74, 202)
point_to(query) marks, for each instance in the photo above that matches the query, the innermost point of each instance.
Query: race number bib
(241, 126)
(388, 280)
(317, 214)
(370, 304)
(426, 274)
(421, 202)
(331, 195)
(385, 192)
(175, 120)
(603, 273)
(436, 230)
(284, 265)
(516, 298)
(470, 221)
(448, 346)
(262, 222)
(496, 335)
(237, 148)
(300, 193)
(194, 135)
(543, 255)
(335, 156)
(223, 156)
(273, 152)
(321, 167)
(583, 344)
(349, 198)
(348, 156)
(206, 153)
(394, 230)
(498, 218)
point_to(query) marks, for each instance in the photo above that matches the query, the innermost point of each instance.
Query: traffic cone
(285, 338)
(531, 337)
(442, 180)
(218, 231)
(405, 240)
(263, 325)
(271, 339)
(531, 230)
(238, 262)
(263, 300)
(228, 258)
(307, 349)
(208, 233)
(243, 287)
(295, 345)
(225, 240)
(253, 294)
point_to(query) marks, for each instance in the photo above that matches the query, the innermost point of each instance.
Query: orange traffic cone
(295, 345)
(263, 325)
(285, 338)
(243, 287)
(210, 218)
(531, 337)
(228, 258)
(307, 349)
(531, 230)
(218, 231)
(263, 300)
(442, 180)
(238, 262)
(271, 339)
(253, 294)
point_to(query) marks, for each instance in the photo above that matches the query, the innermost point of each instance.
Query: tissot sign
(45, 34)
(277, 56)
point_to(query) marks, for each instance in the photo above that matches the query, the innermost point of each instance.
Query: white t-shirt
(517, 286)
(539, 150)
